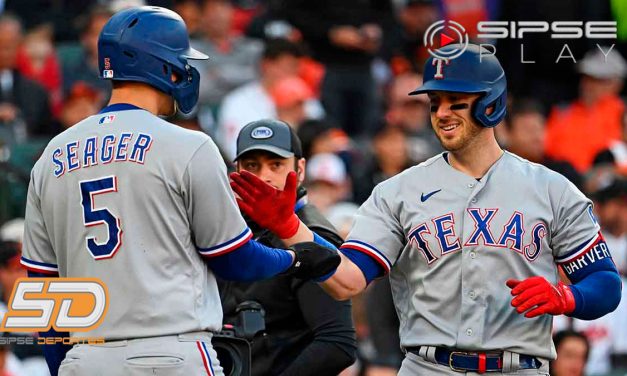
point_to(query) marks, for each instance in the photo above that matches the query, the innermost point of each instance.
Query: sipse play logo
(443, 33)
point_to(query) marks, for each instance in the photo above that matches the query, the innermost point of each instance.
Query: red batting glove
(542, 296)
(269, 207)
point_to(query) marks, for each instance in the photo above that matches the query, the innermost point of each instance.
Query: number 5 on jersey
(93, 216)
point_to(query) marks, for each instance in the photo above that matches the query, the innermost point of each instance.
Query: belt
(480, 362)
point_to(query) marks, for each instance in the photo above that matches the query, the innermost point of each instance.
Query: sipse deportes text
(27, 340)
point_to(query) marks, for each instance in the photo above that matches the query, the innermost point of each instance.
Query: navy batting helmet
(474, 71)
(149, 44)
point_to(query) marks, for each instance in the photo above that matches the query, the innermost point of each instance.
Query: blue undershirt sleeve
(250, 262)
(596, 284)
(371, 268)
(596, 295)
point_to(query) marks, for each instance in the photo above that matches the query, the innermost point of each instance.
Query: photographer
(307, 332)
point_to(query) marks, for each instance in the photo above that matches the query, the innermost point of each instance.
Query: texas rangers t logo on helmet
(439, 64)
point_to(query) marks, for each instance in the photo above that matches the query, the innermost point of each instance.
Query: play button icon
(445, 40)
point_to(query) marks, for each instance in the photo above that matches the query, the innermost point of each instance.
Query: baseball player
(473, 238)
(145, 206)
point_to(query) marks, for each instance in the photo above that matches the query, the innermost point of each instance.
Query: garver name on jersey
(111, 148)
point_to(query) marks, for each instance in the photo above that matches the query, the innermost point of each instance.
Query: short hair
(562, 335)
(310, 130)
(524, 106)
(278, 47)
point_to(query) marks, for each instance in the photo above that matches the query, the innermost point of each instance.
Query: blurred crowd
(339, 73)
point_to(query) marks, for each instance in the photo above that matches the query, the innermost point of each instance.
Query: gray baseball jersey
(131, 199)
(450, 242)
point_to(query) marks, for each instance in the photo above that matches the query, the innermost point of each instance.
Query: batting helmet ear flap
(482, 105)
(187, 90)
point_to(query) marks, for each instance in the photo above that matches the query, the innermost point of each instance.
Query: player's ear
(490, 110)
(300, 170)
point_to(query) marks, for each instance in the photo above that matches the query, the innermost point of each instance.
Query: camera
(234, 343)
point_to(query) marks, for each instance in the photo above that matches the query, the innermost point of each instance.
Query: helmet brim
(194, 54)
(451, 86)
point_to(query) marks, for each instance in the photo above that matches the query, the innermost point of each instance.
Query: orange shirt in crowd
(577, 133)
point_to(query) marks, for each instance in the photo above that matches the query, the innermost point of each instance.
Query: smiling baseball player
(473, 238)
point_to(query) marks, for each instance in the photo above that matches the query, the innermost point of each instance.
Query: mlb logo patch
(106, 119)
(107, 73)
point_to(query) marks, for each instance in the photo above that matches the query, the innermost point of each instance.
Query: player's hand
(538, 296)
(312, 260)
(269, 207)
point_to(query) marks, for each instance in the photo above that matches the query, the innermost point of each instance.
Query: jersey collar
(119, 107)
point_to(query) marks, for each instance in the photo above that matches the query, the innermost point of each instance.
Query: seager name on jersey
(94, 150)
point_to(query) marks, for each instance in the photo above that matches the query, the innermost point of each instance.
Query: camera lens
(230, 359)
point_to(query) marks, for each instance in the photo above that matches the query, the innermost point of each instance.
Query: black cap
(270, 135)
(613, 186)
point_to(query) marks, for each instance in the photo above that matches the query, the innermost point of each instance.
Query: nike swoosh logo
(425, 197)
